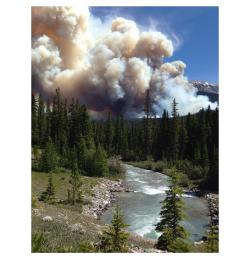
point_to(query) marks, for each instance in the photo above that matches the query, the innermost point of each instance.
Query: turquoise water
(141, 208)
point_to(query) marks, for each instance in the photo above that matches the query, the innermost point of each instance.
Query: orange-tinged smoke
(107, 70)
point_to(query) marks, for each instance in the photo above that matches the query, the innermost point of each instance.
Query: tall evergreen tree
(76, 183)
(183, 139)
(100, 162)
(48, 117)
(174, 132)
(118, 133)
(114, 238)
(41, 120)
(49, 158)
(34, 122)
(163, 137)
(124, 139)
(171, 215)
(203, 140)
(109, 134)
(81, 154)
(147, 125)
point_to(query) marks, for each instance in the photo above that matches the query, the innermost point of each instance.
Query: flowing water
(141, 208)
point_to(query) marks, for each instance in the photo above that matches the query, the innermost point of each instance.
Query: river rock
(102, 196)
(47, 218)
(198, 243)
(137, 249)
(213, 205)
(36, 212)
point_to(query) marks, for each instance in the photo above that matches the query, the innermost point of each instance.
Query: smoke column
(109, 67)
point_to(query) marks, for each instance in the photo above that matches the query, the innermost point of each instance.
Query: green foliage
(100, 164)
(49, 158)
(114, 238)
(49, 194)
(189, 174)
(38, 242)
(188, 143)
(168, 241)
(212, 243)
(33, 202)
(74, 194)
(179, 246)
(83, 247)
(109, 134)
(116, 168)
(174, 133)
(171, 215)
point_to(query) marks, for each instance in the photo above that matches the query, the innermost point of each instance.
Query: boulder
(47, 218)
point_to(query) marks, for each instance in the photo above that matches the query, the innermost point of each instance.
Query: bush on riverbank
(116, 169)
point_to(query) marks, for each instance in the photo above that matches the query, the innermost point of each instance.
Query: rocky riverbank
(103, 196)
(213, 205)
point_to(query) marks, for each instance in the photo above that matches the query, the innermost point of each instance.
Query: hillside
(77, 228)
(207, 89)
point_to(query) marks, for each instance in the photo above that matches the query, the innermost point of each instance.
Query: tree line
(67, 135)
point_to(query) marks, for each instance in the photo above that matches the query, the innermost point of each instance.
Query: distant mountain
(208, 89)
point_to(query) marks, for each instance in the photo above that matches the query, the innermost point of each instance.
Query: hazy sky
(194, 31)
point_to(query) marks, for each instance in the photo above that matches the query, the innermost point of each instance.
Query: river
(141, 208)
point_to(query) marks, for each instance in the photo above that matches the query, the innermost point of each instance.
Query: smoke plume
(108, 68)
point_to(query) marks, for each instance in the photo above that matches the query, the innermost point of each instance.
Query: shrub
(49, 194)
(116, 168)
(184, 180)
(38, 243)
(33, 202)
(160, 166)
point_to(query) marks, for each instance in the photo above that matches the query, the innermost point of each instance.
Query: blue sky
(194, 31)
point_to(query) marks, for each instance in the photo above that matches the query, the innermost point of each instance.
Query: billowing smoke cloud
(110, 70)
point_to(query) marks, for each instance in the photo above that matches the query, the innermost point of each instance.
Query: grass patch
(58, 235)
(61, 182)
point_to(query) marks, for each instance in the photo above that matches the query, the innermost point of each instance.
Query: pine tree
(49, 194)
(212, 178)
(109, 134)
(49, 158)
(174, 132)
(147, 125)
(114, 238)
(203, 141)
(76, 183)
(163, 136)
(81, 154)
(48, 117)
(171, 215)
(41, 120)
(100, 164)
(183, 139)
(34, 109)
(118, 134)
(124, 139)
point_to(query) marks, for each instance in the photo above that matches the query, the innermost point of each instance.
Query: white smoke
(108, 67)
